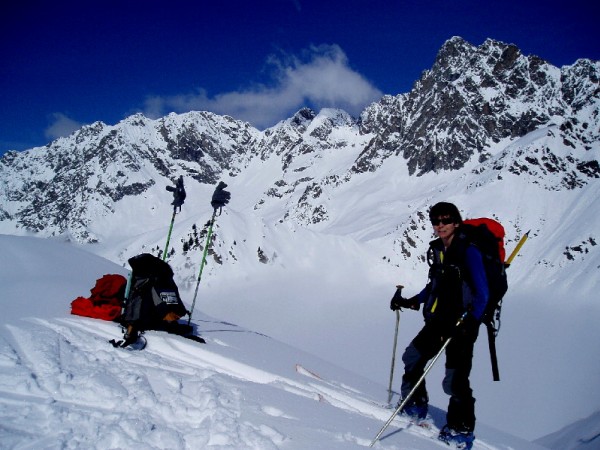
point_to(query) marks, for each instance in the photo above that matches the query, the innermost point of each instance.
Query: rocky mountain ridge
(475, 97)
(480, 115)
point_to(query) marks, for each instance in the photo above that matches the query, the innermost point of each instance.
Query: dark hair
(442, 209)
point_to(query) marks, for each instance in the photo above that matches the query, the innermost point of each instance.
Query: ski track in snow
(140, 407)
(174, 394)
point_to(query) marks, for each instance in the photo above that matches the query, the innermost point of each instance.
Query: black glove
(178, 193)
(220, 197)
(400, 302)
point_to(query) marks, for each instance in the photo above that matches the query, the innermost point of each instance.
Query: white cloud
(61, 126)
(320, 78)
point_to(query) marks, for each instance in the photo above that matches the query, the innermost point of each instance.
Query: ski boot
(416, 413)
(462, 440)
(131, 336)
(132, 339)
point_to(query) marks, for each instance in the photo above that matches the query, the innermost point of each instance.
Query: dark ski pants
(459, 358)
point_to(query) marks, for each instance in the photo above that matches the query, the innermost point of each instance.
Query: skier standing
(457, 284)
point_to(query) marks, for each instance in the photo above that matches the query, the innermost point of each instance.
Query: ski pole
(127, 291)
(399, 288)
(202, 263)
(517, 248)
(178, 198)
(219, 199)
(414, 389)
(164, 256)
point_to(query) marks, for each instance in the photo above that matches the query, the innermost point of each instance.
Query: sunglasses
(443, 220)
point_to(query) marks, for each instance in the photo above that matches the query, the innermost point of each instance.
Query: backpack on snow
(153, 301)
(488, 236)
(106, 300)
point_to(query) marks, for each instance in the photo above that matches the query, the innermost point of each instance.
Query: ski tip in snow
(303, 371)
(195, 338)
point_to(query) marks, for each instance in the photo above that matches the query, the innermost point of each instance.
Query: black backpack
(153, 295)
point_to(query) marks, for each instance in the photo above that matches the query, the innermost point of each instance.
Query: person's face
(444, 227)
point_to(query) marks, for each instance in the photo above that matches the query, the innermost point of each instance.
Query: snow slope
(325, 288)
(63, 386)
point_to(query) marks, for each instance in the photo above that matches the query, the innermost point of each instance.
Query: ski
(323, 394)
(183, 330)
(425, 427)
(142, 342)
(426, 423)
(195, 338)
(304, 371)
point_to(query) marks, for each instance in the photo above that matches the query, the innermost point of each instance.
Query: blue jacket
(457, 282)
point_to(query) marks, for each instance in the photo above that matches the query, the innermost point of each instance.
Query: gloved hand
(178, 193)
(400, 302)
(220, 197)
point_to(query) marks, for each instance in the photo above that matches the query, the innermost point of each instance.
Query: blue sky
(66, 63)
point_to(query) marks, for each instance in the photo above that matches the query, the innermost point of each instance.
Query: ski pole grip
(398, 302)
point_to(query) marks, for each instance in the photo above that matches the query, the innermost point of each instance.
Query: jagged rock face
(471, 101)
(215, 143)
(474, 97)
(73, 180)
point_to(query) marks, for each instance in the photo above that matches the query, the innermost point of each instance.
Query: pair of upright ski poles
(401, 406)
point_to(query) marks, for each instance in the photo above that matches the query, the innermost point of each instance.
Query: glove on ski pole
(178, 193)
(219, 199)
(178, 199)
(398, 292)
